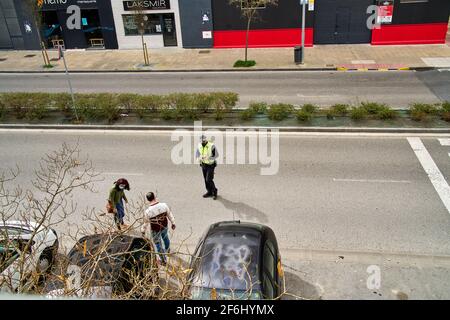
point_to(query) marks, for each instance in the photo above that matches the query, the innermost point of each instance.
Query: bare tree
(250, 10)
(142, 23)
(43, 206)
(35, 7)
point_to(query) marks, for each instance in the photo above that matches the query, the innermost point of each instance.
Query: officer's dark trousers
(208, 175)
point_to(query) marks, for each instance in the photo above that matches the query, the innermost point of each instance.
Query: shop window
(51, 29)
(90, 23)
(152, 25)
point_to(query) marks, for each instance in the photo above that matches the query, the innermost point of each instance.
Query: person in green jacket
(116, 198)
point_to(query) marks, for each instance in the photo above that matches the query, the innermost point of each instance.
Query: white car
(39, 258)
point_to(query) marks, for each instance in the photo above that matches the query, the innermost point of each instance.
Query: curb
(374, 69)
(223, 70)
(388, 69)
(172, 70)
(221, 128)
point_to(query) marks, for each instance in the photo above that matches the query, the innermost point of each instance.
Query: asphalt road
(338, 203)
(398, 89)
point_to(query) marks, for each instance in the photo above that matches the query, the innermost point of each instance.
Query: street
(338, 204)
(398, 89)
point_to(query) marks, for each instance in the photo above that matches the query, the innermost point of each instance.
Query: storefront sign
(146, 5)
(62, 4)
(311, 5)
(385, 11)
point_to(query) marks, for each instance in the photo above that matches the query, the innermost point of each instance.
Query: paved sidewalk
(317, 57)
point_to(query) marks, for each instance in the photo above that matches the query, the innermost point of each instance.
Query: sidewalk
(331, 57)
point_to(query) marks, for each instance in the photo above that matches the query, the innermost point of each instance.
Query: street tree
(142, 24)
(34, 7)
(250, 10)
(42, 207)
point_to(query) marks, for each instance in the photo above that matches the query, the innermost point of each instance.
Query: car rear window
(14, 231)
(229, 260)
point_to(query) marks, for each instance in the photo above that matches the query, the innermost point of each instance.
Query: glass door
(169, 32)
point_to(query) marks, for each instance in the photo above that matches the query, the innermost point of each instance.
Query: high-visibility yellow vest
(206, 153)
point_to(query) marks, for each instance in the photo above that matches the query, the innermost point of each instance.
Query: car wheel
(47, 258)
(45, 262)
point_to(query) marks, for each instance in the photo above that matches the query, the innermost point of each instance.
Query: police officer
(207, 154)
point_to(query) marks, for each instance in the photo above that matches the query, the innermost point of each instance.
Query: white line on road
(432, 170)
(444, 142)
(121, 174)
(118, 174)
(371, 180)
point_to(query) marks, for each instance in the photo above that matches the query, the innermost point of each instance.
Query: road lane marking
(117, 173)
(432, 170)
(121, 174)
(444, 142)
(371, 180)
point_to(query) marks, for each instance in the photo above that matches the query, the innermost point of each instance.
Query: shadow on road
(244, 211)
(299, 289)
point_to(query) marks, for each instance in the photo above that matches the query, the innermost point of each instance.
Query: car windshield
(13, 231)
(229, 260)
(199, 293)
(7, 256)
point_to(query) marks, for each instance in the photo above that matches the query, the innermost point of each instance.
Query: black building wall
(286, 15)
(14, 15)
(192, 24)
(433, 11)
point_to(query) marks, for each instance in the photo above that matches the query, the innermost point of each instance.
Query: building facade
(327, 22)
(113, 24)
(16, 28)
(96, 28)
(161, 28)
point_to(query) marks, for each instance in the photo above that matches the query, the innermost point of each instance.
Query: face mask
(122, 186)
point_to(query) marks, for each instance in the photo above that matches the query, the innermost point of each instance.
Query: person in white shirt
(156, 221)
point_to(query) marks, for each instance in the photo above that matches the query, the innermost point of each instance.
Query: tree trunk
(143, 49)
(247, 35)
(41, 42)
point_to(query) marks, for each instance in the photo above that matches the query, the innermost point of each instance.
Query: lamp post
(303, 3)
(61, 54)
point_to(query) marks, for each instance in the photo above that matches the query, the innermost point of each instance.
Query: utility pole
(303, 3)
(61, 54)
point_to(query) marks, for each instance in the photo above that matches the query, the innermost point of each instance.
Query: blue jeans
(120, 214)
(161, 239)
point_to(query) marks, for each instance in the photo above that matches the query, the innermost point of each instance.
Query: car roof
(111, 259)
(239, 227)
(29, 225)
(225, 242)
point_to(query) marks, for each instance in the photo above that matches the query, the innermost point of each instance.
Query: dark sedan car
(106, 265)
(236, 260)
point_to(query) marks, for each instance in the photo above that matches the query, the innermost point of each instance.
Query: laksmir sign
(146, 5)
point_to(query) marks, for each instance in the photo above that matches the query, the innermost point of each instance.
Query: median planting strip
(215, 108)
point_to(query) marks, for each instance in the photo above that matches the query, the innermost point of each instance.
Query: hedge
(109, 106)
(177, 106)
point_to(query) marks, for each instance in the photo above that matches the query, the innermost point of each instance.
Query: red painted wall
(410, 34)
(262, 38)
